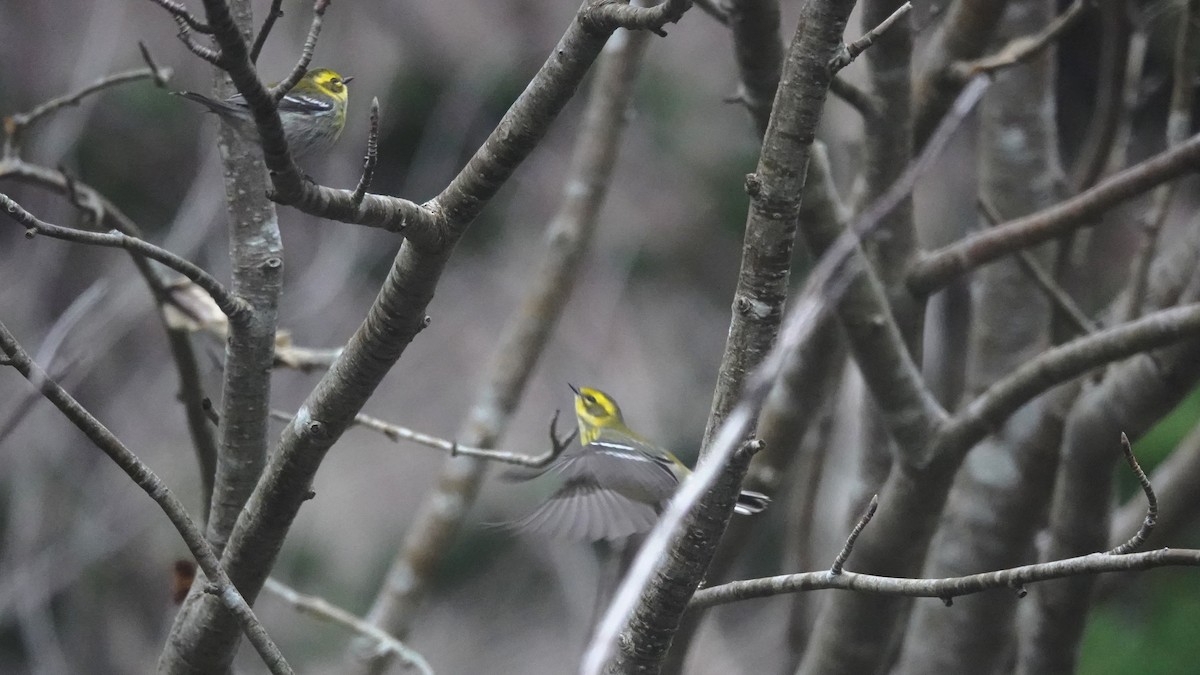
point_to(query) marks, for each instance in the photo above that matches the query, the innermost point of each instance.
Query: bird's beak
(574, 389)
(347, 80)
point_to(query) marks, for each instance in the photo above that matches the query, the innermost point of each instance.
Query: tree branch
(372, 156)
(945, 589)
(1021, 49)
(224, 590)
(937, 268)
(231, 305)
(848, 52)
(310, 45)
(17, 124)
(327, 611)
(273, 14)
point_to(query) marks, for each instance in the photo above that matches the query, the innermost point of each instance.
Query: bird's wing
(616, 461)
(584, 511)
(294, 102)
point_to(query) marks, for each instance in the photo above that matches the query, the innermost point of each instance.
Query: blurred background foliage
(85, 560)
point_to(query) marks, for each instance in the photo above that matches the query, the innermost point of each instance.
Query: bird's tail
(208, 102)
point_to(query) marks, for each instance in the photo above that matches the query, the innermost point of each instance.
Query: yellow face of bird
(328, 81)
(595, 410)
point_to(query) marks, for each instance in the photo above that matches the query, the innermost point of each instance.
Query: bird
(313, 113)
(616, 482)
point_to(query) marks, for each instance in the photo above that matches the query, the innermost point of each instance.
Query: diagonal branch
(1044, 280)
(231, 305)
(146, 479)
(850, 51)
(398, 433)
(327, 611)
(1151, 518)
(16, 125)
(1021, 49)
(310, 45)
(181, 13)
(938, 268)
(273, 15)
(372, 156)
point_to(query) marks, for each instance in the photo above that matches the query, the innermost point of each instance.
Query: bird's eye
(589, 398)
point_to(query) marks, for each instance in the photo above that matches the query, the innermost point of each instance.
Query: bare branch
(371, 158)
(206, 53)
(963, 32)
(182, 14)
(398, 433)
(310, 45)
(1022, 49)
(844, 554)
(758, 52)
(230, 304)
(1151, 519)
(937, 268)
(327, 611)
(1016, 577)
(273, 14)
(1064, 362)
(15, 125)
(1044, 280)
(609, 16)
(146, 479)
(161, 75)
(848, 52)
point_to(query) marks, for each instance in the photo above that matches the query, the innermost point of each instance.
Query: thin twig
(364, 183)
(848, 52)
(937, 268)
(325, 610)
(310, 45)
(944, 589)
(16, 124)
(1020, 49)
(181, 13)
(161, 75)
(844, 554)
(1151, 503)
(205, 52)
(1043, 279)
(398, 433)
(147, 480)
(232, 306)
(268, 23)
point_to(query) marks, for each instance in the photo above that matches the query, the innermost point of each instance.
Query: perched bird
(616, 481)
(313, 112)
